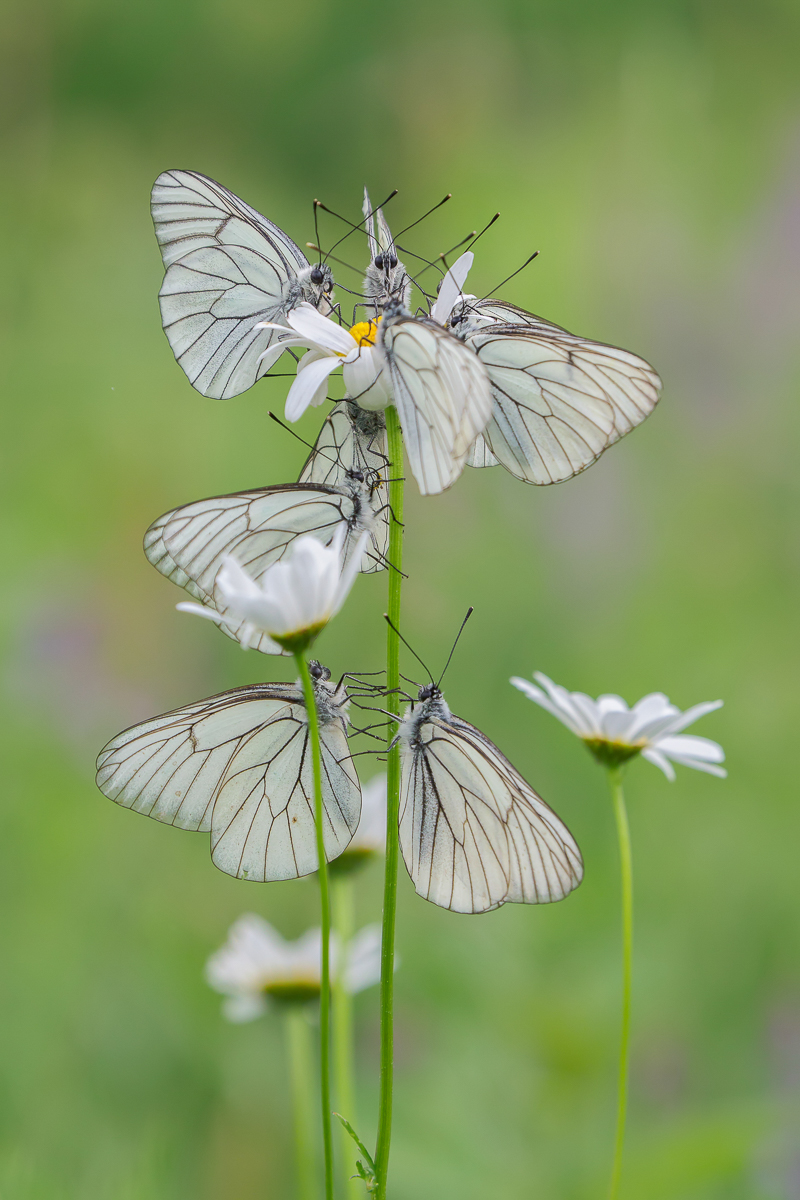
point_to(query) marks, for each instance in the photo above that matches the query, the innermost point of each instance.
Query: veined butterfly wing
(352, 439)
(470, 314)
(473, 834)
(239, 765)
(228, 268)
(352, 445)
(257, 528)
(441, 391)
(559, 400)
(480, 455)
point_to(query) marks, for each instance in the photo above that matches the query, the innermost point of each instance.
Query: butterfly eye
(317, 276)
(379, 262)
(315, 669)
(392, 262)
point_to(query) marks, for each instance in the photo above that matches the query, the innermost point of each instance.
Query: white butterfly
(559, 400)
(474, 835)
(257, 528)
(239, 765)
(352, 439)
(228, 269)
(386, 277)
(441, 392)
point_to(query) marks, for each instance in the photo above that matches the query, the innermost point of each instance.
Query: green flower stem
(301, 1071)
(395, 440)
(324, 893)
(626, 874)
(343, 923)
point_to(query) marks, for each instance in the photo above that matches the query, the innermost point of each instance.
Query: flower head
(614, 733)
(331, 346)
(257, 965)
(369, 839)
(294, 599)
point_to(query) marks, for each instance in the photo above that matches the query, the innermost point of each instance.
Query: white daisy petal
(614, 732)
(452, 287)
(312, 326)
(683, 720)
(687, 745)
(304, 389)
(658, 760)
(538, 697)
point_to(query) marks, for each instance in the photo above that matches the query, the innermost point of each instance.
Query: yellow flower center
(365, 332)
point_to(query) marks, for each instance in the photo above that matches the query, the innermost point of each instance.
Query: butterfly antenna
(392, 626)
(308, 445)
(449, 196)
(441, 258)
(513, 273)
(354, 227)
(340, 261)
(477, 236)
(470, 611)
(316, 229)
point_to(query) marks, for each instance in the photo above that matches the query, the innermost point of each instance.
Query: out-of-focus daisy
(257, 965)
(615, 733)
(293, 600)
(369, 840)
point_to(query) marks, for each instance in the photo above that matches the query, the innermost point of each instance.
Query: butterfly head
(318, 672)
(385, 277)
(463, 319)
(316, 283)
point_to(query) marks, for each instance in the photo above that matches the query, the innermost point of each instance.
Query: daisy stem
(395, 449)
(343, 906)
(626, 876)
(298, 1038)
(325, 901)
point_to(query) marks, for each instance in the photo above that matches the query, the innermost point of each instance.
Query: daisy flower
(257, 965)
(615, 733)
(329, 346)
(293, 600)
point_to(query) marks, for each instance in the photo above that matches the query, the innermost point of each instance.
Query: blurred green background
(651, 151)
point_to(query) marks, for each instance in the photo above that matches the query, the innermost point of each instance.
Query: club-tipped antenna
(441, 258)
(353, 226)
(470, 611)
(511, 276)
(333, 258)
(392, 625)
(449, 196)
(316, 229)
(477, 236)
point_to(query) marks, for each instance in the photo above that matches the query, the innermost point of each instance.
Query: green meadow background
(651, 152)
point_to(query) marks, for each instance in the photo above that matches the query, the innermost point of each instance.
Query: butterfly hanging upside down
(239, 765)
(473, 834)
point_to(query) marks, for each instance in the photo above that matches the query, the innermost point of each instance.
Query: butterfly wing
(480, 455)
(257, 528)
(351, 439)
(442, 396)
(239, 765)
(559, 401)
(228, 268)
(474, 835)
(502, 313)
